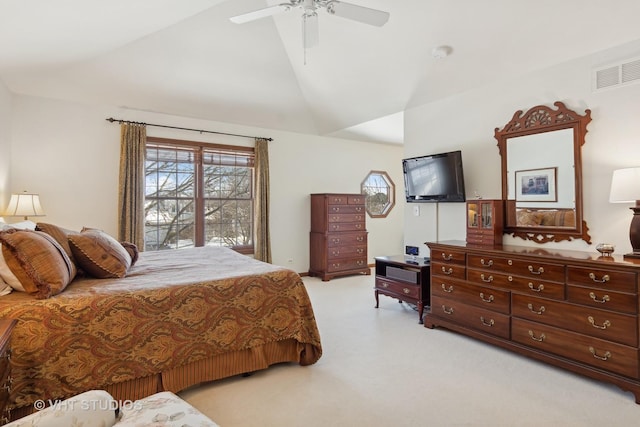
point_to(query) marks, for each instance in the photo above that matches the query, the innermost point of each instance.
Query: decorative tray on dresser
(571, 309)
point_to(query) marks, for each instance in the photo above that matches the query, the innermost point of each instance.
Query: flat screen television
(434, 178)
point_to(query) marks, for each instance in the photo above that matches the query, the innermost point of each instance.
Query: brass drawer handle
(601, 301)
(406, 290)
(335, 240)
(447, 272)
(360, 239)
(385, 285)
(335, 209)
(540, 287)
(360, 251)
(533, 337)
(605, 325)
(490, 323)
(607, 354)
(487, 264)
(359, 209)
(540, 270)
(604, 279)
(358, 226)
(447, 257)
(447, 290)
(447, 310)
(360, 262)
(487, 280)
(490, 299)
(542, 309)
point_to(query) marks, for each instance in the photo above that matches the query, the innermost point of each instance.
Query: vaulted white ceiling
(184, 57)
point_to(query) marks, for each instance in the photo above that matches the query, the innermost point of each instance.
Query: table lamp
(625, 188)
(25, 205)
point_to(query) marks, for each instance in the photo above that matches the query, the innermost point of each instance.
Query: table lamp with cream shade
(625, 188)
(25, 205)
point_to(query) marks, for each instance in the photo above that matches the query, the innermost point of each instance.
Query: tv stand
(404, 278)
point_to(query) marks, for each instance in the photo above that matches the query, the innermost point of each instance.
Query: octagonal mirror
(380, 194)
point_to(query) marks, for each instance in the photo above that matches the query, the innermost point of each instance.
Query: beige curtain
(262, 244)
(131, 190)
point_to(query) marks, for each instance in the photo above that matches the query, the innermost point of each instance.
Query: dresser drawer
(347, 251)
(601, 298)
(481, 296)
(592, 351)
(520, 284)
(447, 256)
(345, 209)
(623, 281)
(346, 226)
(603, 324)
(347, 239)
(455, 271)
(489, 262)
(346, 264)
(470, 316)
(356, 217)
(400, 288)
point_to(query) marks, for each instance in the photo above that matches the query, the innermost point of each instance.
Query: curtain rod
(120, 121)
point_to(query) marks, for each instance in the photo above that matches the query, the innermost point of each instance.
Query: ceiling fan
(310, 36)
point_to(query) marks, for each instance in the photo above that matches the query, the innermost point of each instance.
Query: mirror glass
(542, 174)
(379, 192)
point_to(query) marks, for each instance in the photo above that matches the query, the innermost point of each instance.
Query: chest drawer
(345, 209)
(472, 317)
(400, 288)
(520, 284)
(455, 271)
(346, 264)
(346, 226)
(347, 251)
(601, 298)
(604, 324)
(480, 296)
(623, 281)
(347, 239)
(592, 351)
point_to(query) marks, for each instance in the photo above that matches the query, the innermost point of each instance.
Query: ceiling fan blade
(358, 13)
(310, 32)
(260, 13)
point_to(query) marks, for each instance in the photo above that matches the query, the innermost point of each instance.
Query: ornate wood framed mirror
(542, 173)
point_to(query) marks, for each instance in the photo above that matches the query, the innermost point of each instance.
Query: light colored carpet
(381, 368)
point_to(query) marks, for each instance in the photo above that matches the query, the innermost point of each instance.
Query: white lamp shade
(24, 204)
(625, 185)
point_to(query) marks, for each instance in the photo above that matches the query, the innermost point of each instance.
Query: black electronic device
(412, 250)
(434, 178)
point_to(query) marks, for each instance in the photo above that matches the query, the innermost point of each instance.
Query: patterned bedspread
(173, 308)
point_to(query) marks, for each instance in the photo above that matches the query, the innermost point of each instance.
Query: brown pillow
(60, 234)
(37, 261)
(132, 249)
(99, 254)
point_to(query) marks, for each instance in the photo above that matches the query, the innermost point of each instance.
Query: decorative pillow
(38, 262)
(7, 276)
(132, 249)
(22, 225)
(99, 254)
(61, 235)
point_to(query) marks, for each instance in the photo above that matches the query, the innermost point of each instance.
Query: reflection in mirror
(379, 192)
(542, 173)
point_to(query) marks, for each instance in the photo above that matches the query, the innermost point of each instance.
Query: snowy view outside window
(195, 196)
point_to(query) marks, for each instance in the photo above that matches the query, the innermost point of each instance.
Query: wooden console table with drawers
(571, 309)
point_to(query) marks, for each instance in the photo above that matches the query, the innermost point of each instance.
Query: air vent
(620, 74)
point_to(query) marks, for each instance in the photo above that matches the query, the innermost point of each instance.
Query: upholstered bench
(97, 408)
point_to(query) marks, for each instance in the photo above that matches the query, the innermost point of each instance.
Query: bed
(176, 319)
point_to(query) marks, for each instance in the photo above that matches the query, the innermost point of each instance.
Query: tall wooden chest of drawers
(338, 238)
(572, 309)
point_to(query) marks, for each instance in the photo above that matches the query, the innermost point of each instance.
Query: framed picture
(536, 185)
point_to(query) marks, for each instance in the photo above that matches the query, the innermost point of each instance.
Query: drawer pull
(601, 301)
(540, 270)
(607, 354)
(406, 291)
(447, 257)
(335, 241)
(605, 325)
(542, 309)
(447, 290)
(447, 310)
(533, 337)
(359, 209)
(490, 323)
(385, 285)
(358, 226)
(335, 209)
(487, 280)
(445, 271)
(359, 251)
(540, 287)
(487, 264)
(490, 299)
(604, 279)
(360, 239)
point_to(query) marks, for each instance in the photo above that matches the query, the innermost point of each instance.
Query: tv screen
(434, 178)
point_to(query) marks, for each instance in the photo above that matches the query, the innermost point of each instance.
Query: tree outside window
(380, 194)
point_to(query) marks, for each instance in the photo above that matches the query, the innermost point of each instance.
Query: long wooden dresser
(338, 237)
(575, 310)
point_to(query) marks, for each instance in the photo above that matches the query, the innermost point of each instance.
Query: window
(380, 194)
(198, 194)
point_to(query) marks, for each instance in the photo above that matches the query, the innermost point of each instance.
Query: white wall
(467, 122)
(69, 154)
(5, 145)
